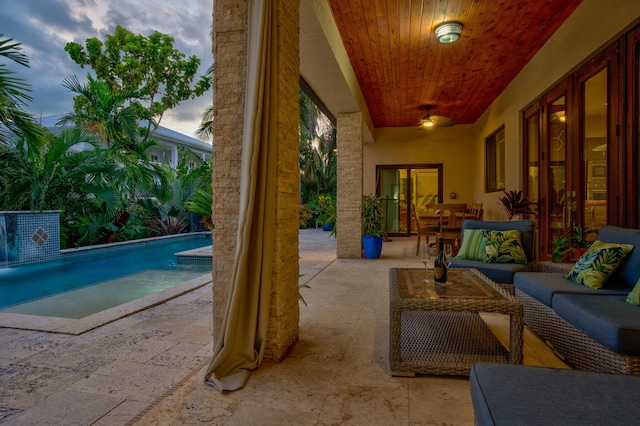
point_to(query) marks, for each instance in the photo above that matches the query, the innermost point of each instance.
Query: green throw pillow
(472, 246)
(598, 263)
(503, 247)
(634, 295)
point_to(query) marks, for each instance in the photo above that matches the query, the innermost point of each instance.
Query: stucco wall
(594, 24)
(451, 146)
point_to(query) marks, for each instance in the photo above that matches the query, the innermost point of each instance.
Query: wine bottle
(440, 264)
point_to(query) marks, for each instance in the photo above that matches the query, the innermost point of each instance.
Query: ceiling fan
(429, 121)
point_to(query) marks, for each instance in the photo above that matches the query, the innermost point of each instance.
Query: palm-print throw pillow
(503, 247)
(472, 247)
(634, 295)
(598, 263)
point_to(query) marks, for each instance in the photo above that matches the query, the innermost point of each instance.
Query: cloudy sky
(45, 26)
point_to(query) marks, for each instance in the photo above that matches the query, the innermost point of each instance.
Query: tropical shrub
(96, 189)
(306, 214)
(317, 158)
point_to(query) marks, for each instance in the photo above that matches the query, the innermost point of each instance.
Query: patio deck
(148, 368)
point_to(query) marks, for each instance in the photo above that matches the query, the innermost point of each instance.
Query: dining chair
(428, 227)
(451, 228)
(475, 211)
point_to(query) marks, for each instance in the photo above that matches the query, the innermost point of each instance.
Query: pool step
(202, 254)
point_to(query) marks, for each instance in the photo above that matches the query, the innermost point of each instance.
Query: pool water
(80, 285)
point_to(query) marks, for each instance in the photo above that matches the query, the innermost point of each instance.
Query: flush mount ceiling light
(448, 32)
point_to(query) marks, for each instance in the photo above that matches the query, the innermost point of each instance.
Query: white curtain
(240, 346)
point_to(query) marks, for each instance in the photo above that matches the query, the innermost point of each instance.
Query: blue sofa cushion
(497, 272)
(527, 395)
(608, 319)
(628, 272)
(526, 228)
(543, 285)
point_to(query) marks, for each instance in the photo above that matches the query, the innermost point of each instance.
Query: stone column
(230, 52)
(285, 310)
(349, 135)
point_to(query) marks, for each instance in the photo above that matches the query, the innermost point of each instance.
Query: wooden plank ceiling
(401, 67)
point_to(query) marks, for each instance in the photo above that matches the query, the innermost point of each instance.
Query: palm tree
(166, 205)
(318, 167)
(14, 96)
(56, 177)
(186, 188)
(205, 129)
(201, 201)
(194, 168)
(101, 111)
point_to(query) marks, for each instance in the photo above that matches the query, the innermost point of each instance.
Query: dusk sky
(45, 26)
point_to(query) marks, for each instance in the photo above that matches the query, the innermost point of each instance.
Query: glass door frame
(607, 60)
(620, 156)
(542, 109)
(630, 202)
(408, 194)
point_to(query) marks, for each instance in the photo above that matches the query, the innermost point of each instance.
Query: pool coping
(90, 322)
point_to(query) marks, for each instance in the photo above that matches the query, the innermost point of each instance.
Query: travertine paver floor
(338, 372)
(107, 375)
(147, 368)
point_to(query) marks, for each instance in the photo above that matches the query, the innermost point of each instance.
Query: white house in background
(168, 142)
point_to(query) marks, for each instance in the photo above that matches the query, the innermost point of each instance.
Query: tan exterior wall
(451, 146)
(594, 24)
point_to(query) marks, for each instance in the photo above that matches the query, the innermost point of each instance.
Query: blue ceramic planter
(372, 246)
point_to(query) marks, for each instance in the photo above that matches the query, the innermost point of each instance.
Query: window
(494, 161)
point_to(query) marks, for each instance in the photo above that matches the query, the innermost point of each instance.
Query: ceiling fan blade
(442, 121)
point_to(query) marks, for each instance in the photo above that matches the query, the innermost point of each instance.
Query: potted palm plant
(373, 230)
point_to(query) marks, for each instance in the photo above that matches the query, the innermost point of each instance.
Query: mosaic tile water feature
(29, 237)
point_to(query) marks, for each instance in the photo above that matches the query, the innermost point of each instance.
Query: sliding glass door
(594, 129)
(571, 140)
(400, 185)
(631, 154)
(393, 187)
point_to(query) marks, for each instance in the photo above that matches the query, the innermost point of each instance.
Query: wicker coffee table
(437, 329)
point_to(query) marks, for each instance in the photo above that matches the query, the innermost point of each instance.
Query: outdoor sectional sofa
(594, 330)
(527, 395)
(501, 273)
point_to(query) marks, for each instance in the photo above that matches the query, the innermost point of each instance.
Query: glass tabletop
(465, 284)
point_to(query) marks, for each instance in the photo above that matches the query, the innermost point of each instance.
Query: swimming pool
(87, 281)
